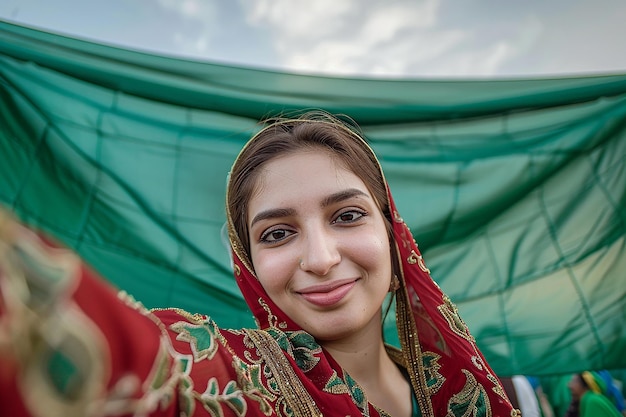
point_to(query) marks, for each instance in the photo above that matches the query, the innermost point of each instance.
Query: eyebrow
(342, 196)
(331, 199)
(272, 214)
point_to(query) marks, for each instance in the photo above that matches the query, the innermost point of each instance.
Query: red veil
(449, 375)
(170, 362)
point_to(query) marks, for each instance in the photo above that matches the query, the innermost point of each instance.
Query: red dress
(72, 346)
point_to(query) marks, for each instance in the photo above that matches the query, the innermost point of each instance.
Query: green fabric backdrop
(514, 189)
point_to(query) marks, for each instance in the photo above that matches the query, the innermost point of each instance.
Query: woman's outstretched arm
(69, 345)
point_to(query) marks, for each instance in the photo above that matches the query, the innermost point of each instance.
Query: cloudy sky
(380, 38)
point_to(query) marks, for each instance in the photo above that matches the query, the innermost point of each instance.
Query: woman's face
(576, 387)
(319, 245)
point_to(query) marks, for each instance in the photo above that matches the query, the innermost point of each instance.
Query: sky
(355, 38)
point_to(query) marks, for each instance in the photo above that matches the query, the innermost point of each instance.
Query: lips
(327, 295)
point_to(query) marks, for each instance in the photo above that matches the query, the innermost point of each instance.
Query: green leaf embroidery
(201, 337)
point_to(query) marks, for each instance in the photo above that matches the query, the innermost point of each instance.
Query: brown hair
(283, 136)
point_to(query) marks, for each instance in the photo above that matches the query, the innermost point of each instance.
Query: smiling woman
(317, 245)
(334, 226)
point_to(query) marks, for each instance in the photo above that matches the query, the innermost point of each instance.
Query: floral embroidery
(186, 403)
(182, 368)
(291, 398)
(497, 387)
(434, 380)
(415, 258)
(231, 395)
(451, 314)
(249, 378)
(477, 362)
(200, 336)
(357, 394)
(335, 385)
(299, 345)
(471, 401)
(162, 381)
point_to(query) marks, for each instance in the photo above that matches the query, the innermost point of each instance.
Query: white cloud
(399, 38)
(352, 36)
(203, 12)
(193, 9)
(388, 39)
(486, 57)
(299, 19)
(383, 38)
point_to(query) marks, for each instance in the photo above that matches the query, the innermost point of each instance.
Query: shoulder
(597, 405)
(171, 315)
(191, 333)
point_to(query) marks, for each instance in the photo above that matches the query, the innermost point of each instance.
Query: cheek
(274, 271)
(375, 255)
(575, 387)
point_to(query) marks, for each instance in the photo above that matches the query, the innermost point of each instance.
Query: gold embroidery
(449, 311)
(287, 382)
(420, 262)
(80, 344)
(497, 388)
(194, 318)
(414, 258)
(201, 338)
(271, 318)
(249, 377)
(411, 347)
(335, 385)
(477, 362)
(434, 379)
(406, 242)
(212, 399)
(472, 400)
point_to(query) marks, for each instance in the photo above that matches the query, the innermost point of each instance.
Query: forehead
(302, 174)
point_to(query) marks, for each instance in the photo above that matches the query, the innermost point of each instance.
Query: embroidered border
(291, 388)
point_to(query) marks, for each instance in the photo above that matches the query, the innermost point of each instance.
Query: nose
(320, 252)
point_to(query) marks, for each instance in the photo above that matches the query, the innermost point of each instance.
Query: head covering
(594, 401)
(448, 374)
(594, 381)
(612, 390)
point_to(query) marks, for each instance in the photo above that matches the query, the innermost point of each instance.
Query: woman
(317, 246)
(589, 397)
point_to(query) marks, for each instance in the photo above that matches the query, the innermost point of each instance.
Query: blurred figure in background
(589, 397)
(542, 399)
(527, 395)
(557, 391)
(613, 391)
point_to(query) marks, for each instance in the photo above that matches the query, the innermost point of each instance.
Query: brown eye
(275, 235)
(349, 216)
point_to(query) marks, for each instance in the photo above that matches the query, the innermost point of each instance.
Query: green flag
(515, 190)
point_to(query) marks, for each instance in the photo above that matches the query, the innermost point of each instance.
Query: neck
(365, 359)
(362, 354)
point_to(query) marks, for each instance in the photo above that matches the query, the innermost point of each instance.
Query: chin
(333, 332)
